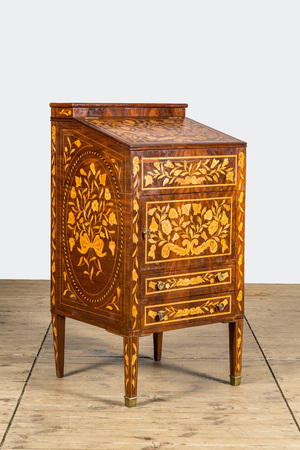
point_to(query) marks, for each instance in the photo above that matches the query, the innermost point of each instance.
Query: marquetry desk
(147, 226)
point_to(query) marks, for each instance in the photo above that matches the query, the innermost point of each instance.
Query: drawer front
(182, 312)
(178, 172)
(188, 283)
(186, 228)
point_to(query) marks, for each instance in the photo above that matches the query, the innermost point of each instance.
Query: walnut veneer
(147, 226)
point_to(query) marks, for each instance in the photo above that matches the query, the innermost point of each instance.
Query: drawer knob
(220, 277)
(147, 233)
(160, 316)
(220, 306)
(160, 285)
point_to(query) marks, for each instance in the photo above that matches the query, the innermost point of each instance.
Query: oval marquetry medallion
(92, 227)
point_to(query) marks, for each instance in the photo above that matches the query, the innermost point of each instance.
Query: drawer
(188, 229)
(186, 283)
(185, 172)
(187, 311)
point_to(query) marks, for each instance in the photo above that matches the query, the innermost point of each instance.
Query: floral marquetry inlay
(72, 145)
(131, 350)
(53, 212)
(55, 340)
(91, 220)
(240, 230)
(164, 173)
(239, 346)
(135, 239)
(193, 309)
(65, 112)
(93, 227)
(169, 130)
(188, 281)
(188, 228)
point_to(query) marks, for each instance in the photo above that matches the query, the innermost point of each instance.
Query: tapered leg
(157, 344)
(131, 354)
(58, 326)
(235, 351)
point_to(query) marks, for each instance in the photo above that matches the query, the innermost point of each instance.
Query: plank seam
(273, 375)
(24, 388)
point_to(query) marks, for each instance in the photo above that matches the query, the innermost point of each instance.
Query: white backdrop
(236, 63)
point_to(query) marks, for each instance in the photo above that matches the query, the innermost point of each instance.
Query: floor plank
(24, 318)
(276, 326)
(277, 331)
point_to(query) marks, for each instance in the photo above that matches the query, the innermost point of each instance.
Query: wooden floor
(184, 402)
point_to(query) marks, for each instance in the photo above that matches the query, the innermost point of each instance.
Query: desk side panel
(90, 213)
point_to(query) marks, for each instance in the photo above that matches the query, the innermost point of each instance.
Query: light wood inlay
(187, 310)
(190, 280)
(185, 172)
(188, 228)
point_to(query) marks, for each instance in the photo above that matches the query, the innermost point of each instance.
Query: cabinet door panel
(188, 228)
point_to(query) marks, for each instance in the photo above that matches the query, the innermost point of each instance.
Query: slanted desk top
(135, 132)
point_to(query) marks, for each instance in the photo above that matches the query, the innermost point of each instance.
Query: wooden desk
(147, 226)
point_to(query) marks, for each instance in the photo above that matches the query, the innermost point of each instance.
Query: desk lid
(143, 124)
(145, 132)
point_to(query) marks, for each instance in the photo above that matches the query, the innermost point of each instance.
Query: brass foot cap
(130, 402)
(235, 381)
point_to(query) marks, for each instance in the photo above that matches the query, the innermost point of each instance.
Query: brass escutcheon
(160, 285)
(220, 306)
(160, 316)
(220, 277)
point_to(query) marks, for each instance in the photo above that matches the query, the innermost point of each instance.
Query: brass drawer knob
(160, 316)
(220, 306)
(220, 277)
(147, 233)
(160, 285)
